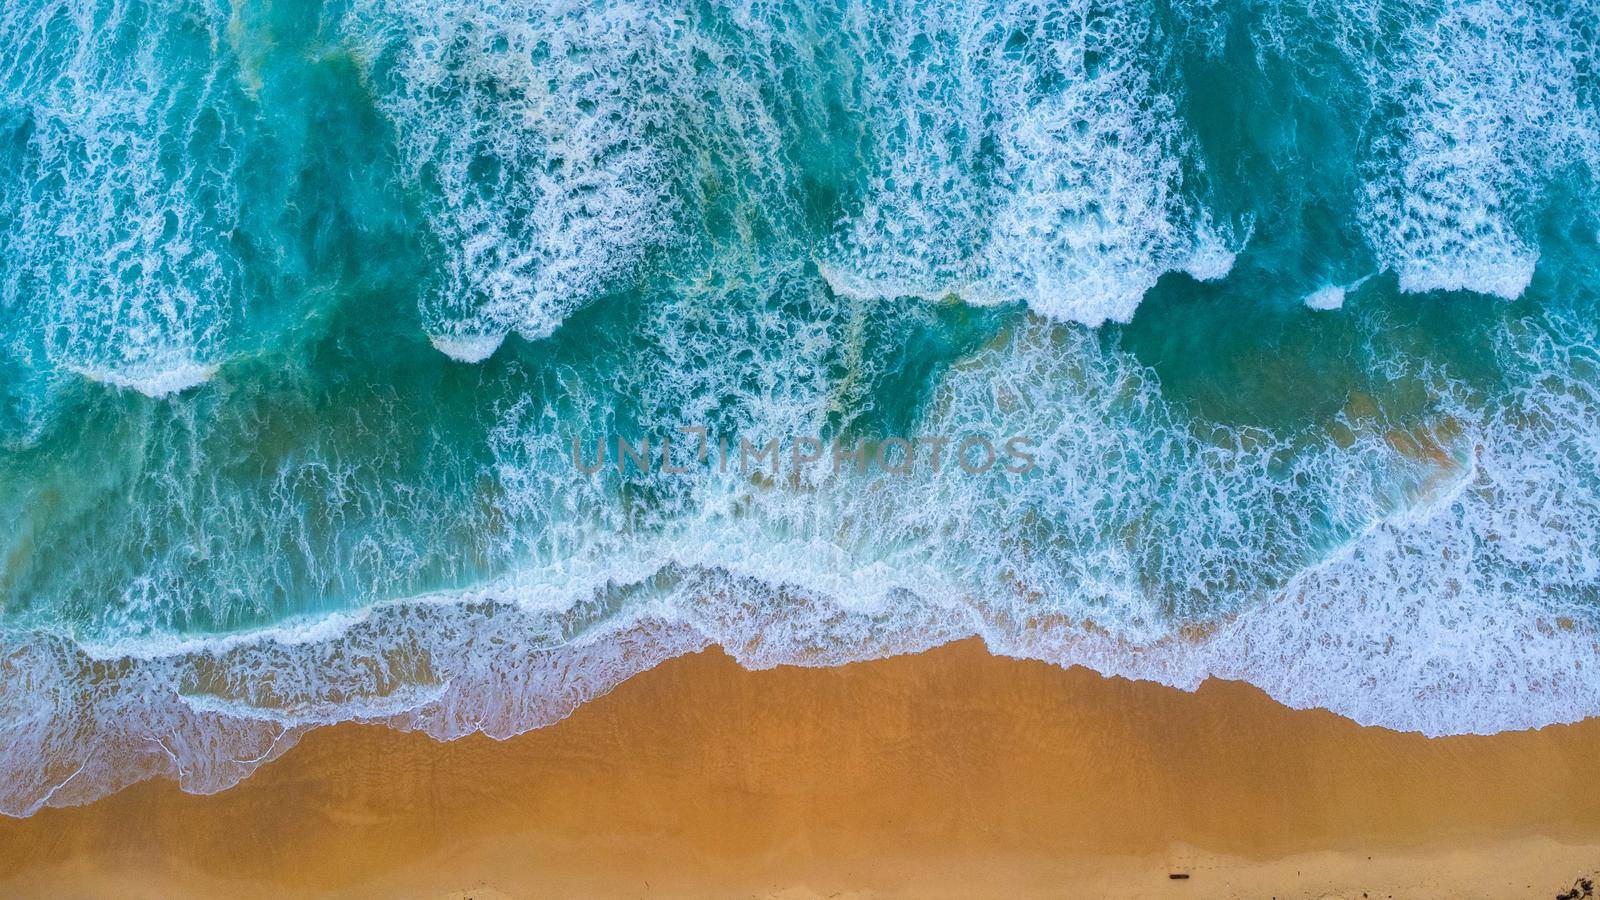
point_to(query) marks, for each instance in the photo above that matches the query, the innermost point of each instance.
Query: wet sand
(949, 773)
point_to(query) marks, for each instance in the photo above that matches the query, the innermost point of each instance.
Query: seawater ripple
(304, 304)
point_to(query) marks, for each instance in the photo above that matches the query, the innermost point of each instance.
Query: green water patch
(1242, 357)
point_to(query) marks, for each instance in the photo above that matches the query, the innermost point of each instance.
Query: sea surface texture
(303, 305)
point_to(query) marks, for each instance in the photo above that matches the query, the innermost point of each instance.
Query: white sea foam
(467, 348)
(157, 380)
(1489, 107)
(119, 238)
(1025, 154)
(531, 122)
(1014, 153)
(1326, 298)
(1332, 296)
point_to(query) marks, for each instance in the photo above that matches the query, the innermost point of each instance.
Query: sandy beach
(949, 773)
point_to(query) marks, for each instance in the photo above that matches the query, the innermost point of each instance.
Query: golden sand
(949, 773)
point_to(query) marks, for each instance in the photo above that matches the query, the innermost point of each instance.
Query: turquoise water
(303, 304)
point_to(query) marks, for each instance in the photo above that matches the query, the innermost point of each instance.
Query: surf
(305, 306)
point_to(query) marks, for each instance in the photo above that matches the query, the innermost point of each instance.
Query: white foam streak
(157, 380)
(467, 348)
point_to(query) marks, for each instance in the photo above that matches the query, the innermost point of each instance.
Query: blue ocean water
(303, 305)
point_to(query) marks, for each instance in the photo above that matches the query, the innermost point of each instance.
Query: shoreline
(949, 772)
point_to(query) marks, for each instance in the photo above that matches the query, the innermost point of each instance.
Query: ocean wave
(529, 123)
(1472, 110)
(1456, 595)
(88, 721)
(1000, 151)
(157, 380)
(120, 207)
(1027, 153)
